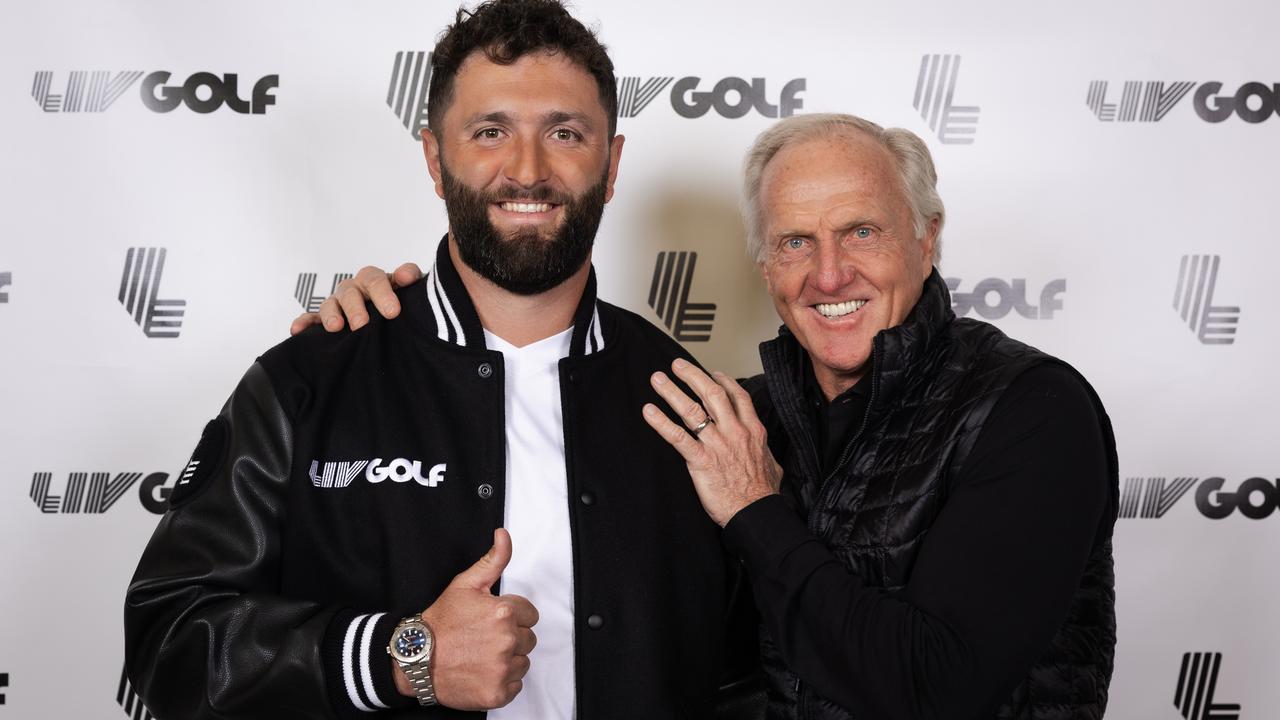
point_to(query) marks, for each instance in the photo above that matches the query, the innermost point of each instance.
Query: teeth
(526, 207)
(837, 309)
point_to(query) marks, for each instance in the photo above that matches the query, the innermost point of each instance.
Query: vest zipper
(825, 488)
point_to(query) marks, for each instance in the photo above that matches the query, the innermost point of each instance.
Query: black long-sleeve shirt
(992, 582)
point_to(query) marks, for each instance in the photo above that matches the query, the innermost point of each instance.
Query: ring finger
(690, 412)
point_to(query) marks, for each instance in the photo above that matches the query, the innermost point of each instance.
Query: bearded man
(319, 557)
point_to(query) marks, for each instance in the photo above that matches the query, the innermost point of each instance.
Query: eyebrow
(562, 116)
(844, 228)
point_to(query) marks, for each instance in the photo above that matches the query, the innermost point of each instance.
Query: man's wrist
(411, 647)
(401, 680)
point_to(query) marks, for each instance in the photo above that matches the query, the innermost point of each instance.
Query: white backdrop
(1056, 185)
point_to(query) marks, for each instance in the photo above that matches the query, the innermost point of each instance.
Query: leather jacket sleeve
(206, 633)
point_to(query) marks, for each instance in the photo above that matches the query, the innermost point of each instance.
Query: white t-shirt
(537, 516)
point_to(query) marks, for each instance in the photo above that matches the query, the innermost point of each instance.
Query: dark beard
(523, 263)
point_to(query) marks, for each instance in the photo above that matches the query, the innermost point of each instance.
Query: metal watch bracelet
(419, 676)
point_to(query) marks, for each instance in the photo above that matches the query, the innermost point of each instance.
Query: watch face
(412, 643)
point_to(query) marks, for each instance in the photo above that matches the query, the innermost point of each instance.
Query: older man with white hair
(936, 540)
(924, 505)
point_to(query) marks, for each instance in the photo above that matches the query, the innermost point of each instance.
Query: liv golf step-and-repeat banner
(181, 179)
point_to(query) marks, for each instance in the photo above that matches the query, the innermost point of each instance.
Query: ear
(431, 150)
(928, 244)
(615, 157)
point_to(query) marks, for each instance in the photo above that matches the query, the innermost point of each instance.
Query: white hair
(917, 177)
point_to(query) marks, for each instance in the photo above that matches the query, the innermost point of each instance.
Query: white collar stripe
(597, 335)
(448, 308)
(442, 331)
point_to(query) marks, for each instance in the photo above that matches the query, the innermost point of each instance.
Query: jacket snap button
(485, 370)
(573, 376)
(595, 622)
(485, 491)
(588, 498)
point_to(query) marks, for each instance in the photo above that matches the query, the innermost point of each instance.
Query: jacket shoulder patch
(203, 464)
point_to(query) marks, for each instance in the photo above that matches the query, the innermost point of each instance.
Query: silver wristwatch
(412, 645)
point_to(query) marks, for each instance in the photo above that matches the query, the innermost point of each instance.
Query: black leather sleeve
(206, 635)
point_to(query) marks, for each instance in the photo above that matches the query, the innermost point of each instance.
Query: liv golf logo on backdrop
(1193, 300)
(935, 90)
(1198, 686)
(407, 94)
(4, 683)
(303, 290)
(6, 280)
(127, 698)
(669, 297)
(139, 285)
(1150, 498)
(730, 97)
(1151, 101)
(97, 492)
(95, 91)
(995, 298)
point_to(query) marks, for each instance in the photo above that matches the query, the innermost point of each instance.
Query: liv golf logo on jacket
(95, 91)
(139, 286)
(935, 90)
(1193, 300)
(730, 97)
(995, 298)
(1150, 101)
(669, 298)
(1150, 498)
(1198, 686)
(407, 94)
(340, 474)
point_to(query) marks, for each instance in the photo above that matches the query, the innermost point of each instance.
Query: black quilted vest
(934, 381)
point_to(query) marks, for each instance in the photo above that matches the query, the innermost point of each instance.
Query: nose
(833, 269)
(527, 166)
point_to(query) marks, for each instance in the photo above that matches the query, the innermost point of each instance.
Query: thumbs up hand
(482, 642)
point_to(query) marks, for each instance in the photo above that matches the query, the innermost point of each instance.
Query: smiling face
(841, 258)
(524, 163)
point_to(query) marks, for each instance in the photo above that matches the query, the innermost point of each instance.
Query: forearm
(860, 646)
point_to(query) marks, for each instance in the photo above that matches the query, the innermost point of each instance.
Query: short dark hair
(506, 30)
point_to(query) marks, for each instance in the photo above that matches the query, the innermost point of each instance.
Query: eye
(566, 135)
(489, 133)
(794, 243)
(862, 233)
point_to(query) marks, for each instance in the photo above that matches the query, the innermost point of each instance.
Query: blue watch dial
(411, 642)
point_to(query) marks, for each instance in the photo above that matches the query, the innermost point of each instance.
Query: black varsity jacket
(349, 478)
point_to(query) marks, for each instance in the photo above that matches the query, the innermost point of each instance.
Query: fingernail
(330, 324)
(659, 379)
(679, 364)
